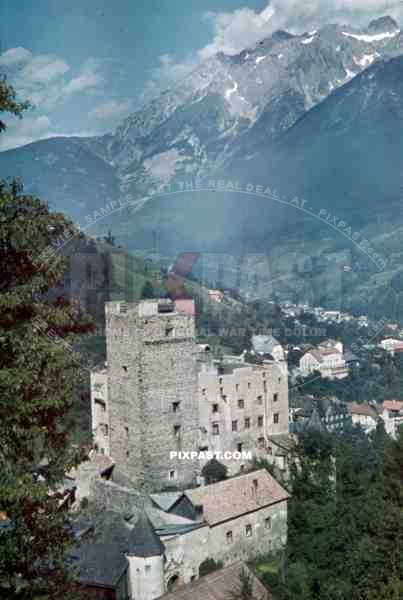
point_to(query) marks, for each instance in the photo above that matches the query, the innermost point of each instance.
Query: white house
(391, 344)
(392, 416)
(327, 358)
(363, 415)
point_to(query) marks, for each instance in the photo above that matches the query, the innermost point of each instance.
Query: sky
(87, 64)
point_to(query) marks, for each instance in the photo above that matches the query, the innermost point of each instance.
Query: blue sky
(86, 64)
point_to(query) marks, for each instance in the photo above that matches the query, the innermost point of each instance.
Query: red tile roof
(365, 410)
(237, 496)
(395, 405)
(220, 585)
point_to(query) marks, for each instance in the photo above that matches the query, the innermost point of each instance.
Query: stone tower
(153, 409)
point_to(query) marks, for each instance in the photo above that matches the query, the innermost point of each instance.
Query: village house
(392, 345)
(392, 415)
(327, 358)
(363, 415)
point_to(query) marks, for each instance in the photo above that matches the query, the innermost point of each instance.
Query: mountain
(228, 107)
(316, 115)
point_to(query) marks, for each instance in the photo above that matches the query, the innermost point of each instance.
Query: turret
(146, 561)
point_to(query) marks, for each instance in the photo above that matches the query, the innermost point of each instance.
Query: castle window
(124, 367)
(260, 400)
(265, 386)
(275, 397)
(229, 537)
(234, 425)
(177, 430)
(260, 421)
(239, 447)
(237, 387)
(261, 443)
(249, 385)
(241, 403)
(276, 418)
(106, 430)
(220, 381)
(175, 406)
(215, 408)
(221, 391)
(216, 429)
(203, 391)
(172, 475)
(248, 531)
(264, 374)
(267, 523)
(247, 423)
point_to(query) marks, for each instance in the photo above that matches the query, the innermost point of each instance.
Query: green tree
(37, 385)
(214, 471)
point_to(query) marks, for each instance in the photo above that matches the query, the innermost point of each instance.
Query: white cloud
(43, 68)
(111, 110)
(88, 78)
(15, 56)
(237, 30)
(42, 78)
(24, 131)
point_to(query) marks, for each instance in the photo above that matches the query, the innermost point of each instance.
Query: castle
(162, 393)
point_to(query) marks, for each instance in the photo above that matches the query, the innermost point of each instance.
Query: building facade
(162, 393)
(168, 543)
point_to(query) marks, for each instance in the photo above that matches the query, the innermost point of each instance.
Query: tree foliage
(37, 385)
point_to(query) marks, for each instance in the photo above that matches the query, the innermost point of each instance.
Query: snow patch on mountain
(377, 37)
(163, 166)
(259, 59)
(365, 60)
(308, 40)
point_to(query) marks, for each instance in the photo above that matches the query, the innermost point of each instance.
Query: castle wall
(243, 406)
(262, 540)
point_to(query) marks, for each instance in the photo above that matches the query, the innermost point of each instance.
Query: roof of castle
(98, 564)
(143, 541)
(220, 585)
(231, 498)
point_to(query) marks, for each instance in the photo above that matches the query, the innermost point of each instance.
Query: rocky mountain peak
(383, 24)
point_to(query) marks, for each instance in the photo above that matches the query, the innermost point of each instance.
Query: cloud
(43, 68)
(24, 131)
(15, 56)
(237, 30)
(43, 78)
(111, 110)
(88, 78)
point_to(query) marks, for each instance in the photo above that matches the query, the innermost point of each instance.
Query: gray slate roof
(98, 564)
(143, 541)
